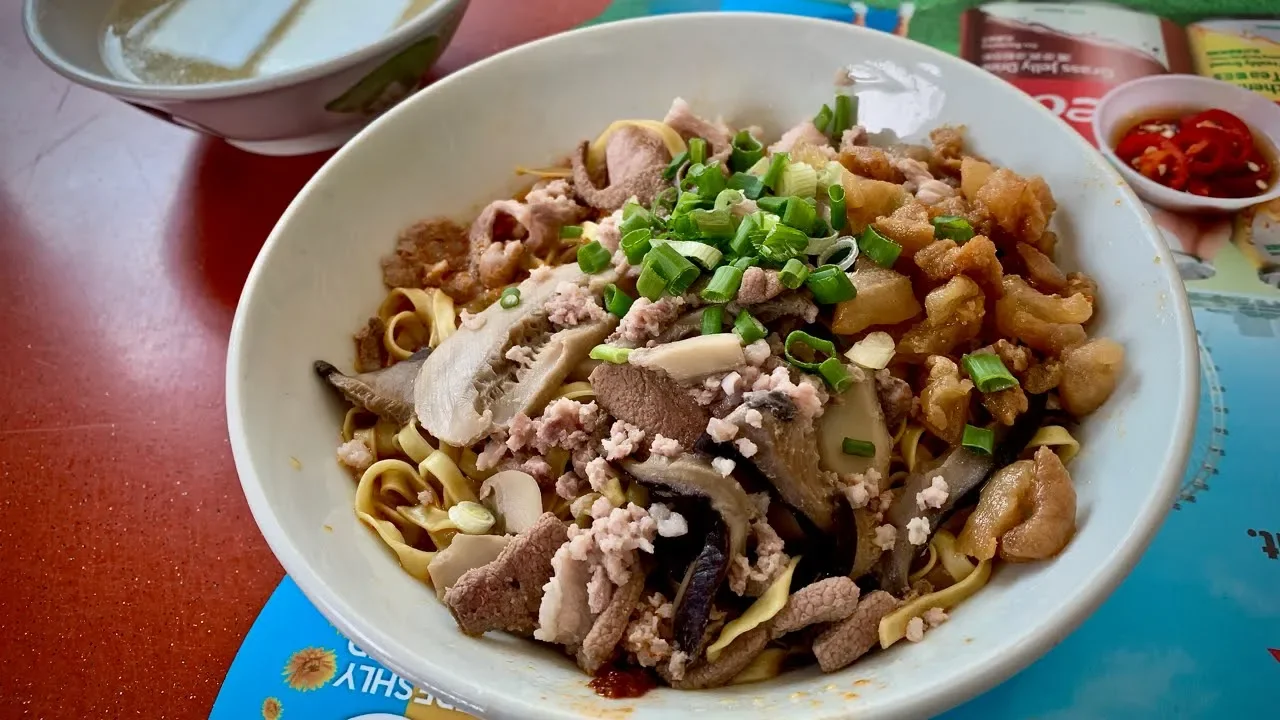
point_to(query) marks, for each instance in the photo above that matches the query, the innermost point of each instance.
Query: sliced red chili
(1198, 186)
(1166, 165)
(1207, 149)
(1218, 118)
(1135, 143)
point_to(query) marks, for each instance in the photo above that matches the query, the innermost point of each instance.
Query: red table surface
(131, 567)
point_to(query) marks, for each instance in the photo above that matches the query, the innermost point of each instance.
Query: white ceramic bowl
(451, 148)
(1190, 93)
(313, 108)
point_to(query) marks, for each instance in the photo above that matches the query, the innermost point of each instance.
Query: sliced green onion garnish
(688, 202)
(748, 234)
(879, 248)
(793, 274)
(816, 344)
(800, 215)
(724, 285)
(836, 374)
(510, 298)
(988, 372)
(610, 354)
(799, 179)
(777, 163)
(703, 254)
(748, 328)
(750, 185)
(571, 231)
(635, 244)
(634, 217)
(593, 258)
(712, 319)
(822, 120)
(952, 227)
(981, 440)
(616, 301)
(665, 202)
(650, 284)
(673, 267)
(674, 166)
(708, 179)
(773, 204)
(861, 448)
(783, 243)
(715, 224)
(697, 150)
(830, 285)
(746, 152)
(839, 213)
(745, 262)
(728, 198)
(846, 114)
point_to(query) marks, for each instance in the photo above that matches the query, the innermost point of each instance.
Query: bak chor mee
(704, 407)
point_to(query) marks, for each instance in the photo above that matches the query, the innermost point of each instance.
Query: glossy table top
(132, 568)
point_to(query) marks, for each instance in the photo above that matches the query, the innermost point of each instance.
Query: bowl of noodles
(779, 375)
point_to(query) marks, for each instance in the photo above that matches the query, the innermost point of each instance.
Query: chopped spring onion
(715, 224)
(471, 518)
(748, 328)
(800, 215)
(952, 227)
(982, 440)
(750, 185)
(616, 301)
(674, 166)
(673, 267)
(836, 374)
(705, 255)
(650, 284)
(746, 152)
(839, 214)
(883, 251)
(634, 217)
(783, 243)
(815, 344)
(799, 179)
(846, 114)
(724, 284)
(745, 262)
(773, 175)
(831, 174)
(819, 245)
(697, 150)
(793, 274)
(830, 285)
(593, 258)
(610, 354)
(873, 351)
(687, 203)
(728, 198)
(665, 202)
(760, 168)
(510, 298)
(847, 245)
(988, 372)
(636, 244)
(708, 179)
(773, 204)
(861, 448)
(822, 120)
(712, 319)
(571, 231)
(749, 233)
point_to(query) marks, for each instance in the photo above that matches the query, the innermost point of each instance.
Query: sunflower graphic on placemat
(310, 668)
(272, 709)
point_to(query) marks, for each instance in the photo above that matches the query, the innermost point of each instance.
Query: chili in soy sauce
(1211, 153)
(618, 683)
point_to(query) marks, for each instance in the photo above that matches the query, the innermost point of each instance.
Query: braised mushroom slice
(693, 476)
(468, 385)
(696, 596)
(388, 392)
(855, 414)
(787, 454)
